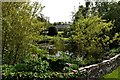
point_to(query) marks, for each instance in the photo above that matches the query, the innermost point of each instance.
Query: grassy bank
(114, 74)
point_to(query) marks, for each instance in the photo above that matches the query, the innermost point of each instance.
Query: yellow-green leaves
(90, 34)
(20, 27)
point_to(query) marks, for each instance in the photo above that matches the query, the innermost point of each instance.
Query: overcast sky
(59, 10)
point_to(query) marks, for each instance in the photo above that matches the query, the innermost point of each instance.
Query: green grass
(114, 74)
(51, 37)
(60, 32)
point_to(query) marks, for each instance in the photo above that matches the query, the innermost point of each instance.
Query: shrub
(34, 76)
(87, 37)
(19, 28)
(37, 68)
(59, 43)
(52, 31)
(28, 69)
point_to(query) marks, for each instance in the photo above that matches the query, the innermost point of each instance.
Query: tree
(84, 11)
(20, 28)
(110, 11)
(89, 35)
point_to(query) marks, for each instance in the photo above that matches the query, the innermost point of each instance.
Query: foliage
(66, 32)
(95, 29)
(115, 50)
(57, 62)
(58, 43)
(37, 51)
(36, 68)
(32, 76)
(49, 66)
(65, 62)
(111, 53)
(52, 31)
(32, 65)
(20, 27)
(110, 11)
(71, 67)
(89, 35)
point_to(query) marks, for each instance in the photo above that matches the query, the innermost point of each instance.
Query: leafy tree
(92, 30)
(89, 35)
(19, 27)
(110, 11)
(85, 11)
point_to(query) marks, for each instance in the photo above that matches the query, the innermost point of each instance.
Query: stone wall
(98, 70)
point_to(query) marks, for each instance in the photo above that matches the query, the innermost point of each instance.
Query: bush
(19, 28)
(35, 50)
(35, 76)
(90, 37)
(37, 68)
(52, 31)
(57, 62)
(111, 53)
(59, 43)
(29, 69)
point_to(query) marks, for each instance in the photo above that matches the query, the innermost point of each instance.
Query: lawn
(51, 37)
(114, 74)
(60, 32)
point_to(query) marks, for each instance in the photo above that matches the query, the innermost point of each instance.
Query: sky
(60, 10)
